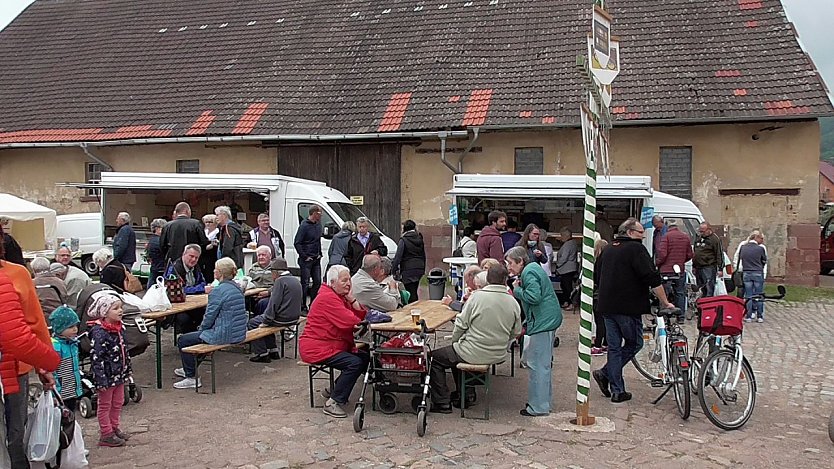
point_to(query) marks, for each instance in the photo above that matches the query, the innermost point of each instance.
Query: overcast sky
(811, 17)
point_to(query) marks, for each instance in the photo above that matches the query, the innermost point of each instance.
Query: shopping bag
(157, 296)
(73, 457)
(135, 301)
(44, 431)
(720, 287)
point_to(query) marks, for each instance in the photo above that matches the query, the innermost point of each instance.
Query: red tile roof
(86, 71)
(827, 170)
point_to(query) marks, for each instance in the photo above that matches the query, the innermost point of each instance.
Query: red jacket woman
(18, 339)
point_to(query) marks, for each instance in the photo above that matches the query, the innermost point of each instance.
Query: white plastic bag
(157, 297)
(134, 300)
(720, 287)
(73, 457)
(45, 427)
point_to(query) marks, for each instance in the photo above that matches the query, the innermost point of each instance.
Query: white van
(153, 195)
(87, 228)
(553, 202)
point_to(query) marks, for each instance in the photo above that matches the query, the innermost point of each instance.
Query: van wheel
(89, 266)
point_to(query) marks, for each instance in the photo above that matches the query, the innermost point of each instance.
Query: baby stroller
(399, 365)
(136, 341)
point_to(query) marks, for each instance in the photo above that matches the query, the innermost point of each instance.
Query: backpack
(459, 251)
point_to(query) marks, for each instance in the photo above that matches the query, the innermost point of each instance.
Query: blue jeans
(754, 285)
(189, 361)
(539, 356)
(679, 287)
(309, 269)
(706, 279)
(351, 365)
(625, 338)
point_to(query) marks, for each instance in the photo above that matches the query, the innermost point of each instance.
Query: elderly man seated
(489, 320)
(74, 278)
(261, 276)
(283, 309)
(52, 291)
(186, 269)
(469, 286)
(367, 288)
(328, 337)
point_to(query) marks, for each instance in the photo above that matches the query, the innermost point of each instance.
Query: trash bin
(437, 284)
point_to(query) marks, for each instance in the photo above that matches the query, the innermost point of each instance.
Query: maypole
(598, 71)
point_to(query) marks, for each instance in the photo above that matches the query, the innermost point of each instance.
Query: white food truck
(153, 195)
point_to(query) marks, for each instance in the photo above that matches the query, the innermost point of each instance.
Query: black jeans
(705, 276)
(309, 269)
(15, 410)
(351, 365)
(189, 320)
(263, 345)
(442, 359)
(566, 282)
(625, 339)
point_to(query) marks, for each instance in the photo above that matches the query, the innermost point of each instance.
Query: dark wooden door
(369, 170)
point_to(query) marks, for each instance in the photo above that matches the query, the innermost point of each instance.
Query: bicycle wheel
(647, 361)
(682, 385)
(727, 390)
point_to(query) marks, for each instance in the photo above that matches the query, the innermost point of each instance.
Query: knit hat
(62, 319)
(102, 302)
(57, 268)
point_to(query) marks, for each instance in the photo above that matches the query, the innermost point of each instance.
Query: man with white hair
(124, 243)
(50, 288)
(74, 278)
(470, 286)
(266, 235)
(230, 238)
(180, 232)
(362, 243)
(367, 288)
(262, 276)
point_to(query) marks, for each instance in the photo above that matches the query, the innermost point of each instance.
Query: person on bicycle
(675, 249)
(708, 259)
(624, 273)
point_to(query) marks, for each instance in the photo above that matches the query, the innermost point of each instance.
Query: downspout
(94, 157)
(442, 136)
(475, 133)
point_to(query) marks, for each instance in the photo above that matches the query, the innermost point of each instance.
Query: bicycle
(724, 381)
(664, 357)
(693, 294)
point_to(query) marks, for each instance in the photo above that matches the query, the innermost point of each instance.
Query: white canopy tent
(33, 226)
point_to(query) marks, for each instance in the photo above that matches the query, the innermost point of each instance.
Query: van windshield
(350, 212)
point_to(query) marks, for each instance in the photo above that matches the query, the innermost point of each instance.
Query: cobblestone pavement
(261, 419)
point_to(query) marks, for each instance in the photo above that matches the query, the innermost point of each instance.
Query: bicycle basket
(721, 315)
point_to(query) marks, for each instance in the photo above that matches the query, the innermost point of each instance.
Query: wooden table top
(192, 302)
(434, 312)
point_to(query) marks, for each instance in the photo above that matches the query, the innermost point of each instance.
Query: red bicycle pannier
(721, 315)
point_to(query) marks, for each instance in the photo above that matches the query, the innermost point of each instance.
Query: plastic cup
(415, 316)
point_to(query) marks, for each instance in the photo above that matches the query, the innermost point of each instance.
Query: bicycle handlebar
(779, 288)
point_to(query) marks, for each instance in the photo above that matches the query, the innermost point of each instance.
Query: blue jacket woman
(225, 318)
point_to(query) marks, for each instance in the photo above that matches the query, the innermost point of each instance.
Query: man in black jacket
(362, 243)
(308, 247)
(708, 259)
(180, 232)
(625, 273)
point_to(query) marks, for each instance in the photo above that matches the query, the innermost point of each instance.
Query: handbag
(737, 278)
(174, 289)
(132, 284)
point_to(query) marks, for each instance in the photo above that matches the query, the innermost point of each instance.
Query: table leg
(158, 328)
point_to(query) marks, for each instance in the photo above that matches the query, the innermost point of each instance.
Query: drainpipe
(94, 157)
(475, 133)
(442, 136)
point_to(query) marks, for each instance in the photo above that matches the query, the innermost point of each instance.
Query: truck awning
(162, 181)
(548, 187)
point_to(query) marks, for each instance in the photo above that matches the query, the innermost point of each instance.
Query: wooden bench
(205, 352)
(474, 375)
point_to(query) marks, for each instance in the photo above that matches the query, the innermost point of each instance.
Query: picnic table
(191, 303)
(434, 312)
